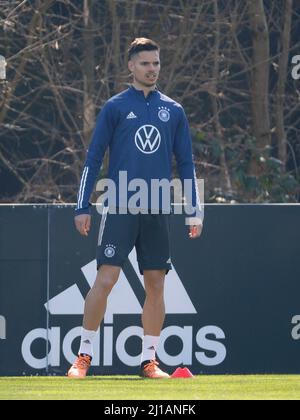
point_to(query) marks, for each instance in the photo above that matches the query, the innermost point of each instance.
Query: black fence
(232, 298)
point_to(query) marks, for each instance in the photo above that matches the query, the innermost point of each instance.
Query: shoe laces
(82, 362)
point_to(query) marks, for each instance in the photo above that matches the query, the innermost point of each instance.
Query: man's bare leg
(94, 310)
(153, 318)
(96, 299)
(154, 307)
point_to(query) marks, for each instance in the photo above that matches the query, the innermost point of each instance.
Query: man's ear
(130, 65)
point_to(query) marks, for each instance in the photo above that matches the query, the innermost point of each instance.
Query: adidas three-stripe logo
(123, 300)
(130, 116)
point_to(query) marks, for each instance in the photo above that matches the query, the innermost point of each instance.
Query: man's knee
(154, 285)
(107, 277)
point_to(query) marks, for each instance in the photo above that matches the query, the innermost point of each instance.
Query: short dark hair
(141, 44)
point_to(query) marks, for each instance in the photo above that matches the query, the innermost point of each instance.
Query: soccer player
(142, 128)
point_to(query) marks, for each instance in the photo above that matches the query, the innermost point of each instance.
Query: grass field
(228, 387)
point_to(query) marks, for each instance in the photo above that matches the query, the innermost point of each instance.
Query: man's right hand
(83, 223)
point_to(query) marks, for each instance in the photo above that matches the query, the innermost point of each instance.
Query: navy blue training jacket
(142, 135)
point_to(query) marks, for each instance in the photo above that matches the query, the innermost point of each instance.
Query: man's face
(145, 67)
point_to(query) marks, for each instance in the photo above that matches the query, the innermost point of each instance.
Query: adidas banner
(232, 296)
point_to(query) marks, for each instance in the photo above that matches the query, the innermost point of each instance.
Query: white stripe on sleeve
(81, 189)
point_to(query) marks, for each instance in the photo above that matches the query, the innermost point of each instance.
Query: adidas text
(186, 334)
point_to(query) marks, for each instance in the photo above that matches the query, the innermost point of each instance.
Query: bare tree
(260, 76)
(88, 71)
(282, 80)
(215, 100)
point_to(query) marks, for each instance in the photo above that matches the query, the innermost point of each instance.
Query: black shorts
(149, 233)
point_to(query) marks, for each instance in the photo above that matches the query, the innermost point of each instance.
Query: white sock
(86, 344)
(150, 343)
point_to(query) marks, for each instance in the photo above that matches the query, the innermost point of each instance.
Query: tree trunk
(282, 78)
(214, 98)
(88, 69)
(116, 39)
(260, 79)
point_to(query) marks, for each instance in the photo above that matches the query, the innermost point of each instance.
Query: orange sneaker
(80, 367)
(151, 370)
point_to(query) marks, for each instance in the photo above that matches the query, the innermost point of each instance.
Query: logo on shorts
(110, 251)
(147, 139)
(164, 114)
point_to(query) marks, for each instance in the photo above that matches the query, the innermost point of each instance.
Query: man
(142, 128)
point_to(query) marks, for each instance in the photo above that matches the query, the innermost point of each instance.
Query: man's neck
(145, 89)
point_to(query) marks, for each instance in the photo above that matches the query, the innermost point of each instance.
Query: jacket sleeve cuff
(191, 221)
(85, 210)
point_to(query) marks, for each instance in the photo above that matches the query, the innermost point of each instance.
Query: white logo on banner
(296, 68)
(2, 67)
(2, 328)
(122, 300)
(296, 329)
(147, 139)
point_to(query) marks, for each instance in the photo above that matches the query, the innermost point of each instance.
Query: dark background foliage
(228, 62)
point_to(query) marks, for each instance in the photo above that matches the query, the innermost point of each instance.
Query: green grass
(225, 387)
